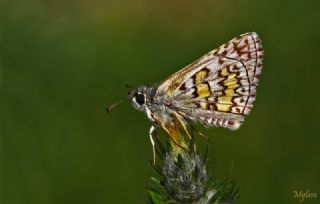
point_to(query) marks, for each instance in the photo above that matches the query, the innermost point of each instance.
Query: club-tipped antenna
(109, 108)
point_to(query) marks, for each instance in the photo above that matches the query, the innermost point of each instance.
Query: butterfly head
(141, 97)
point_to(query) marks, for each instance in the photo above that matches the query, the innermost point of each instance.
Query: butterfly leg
(151, 131)
(199, 133)
(170, 130)
(183, 125)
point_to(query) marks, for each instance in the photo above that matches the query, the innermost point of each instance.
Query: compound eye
(140, 98)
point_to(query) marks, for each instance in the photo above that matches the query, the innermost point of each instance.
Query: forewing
(219, 88)
(170, 86)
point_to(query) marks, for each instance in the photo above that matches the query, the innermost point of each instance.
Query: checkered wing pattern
(218, 89)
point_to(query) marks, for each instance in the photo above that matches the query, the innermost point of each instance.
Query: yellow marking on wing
(223, 107)
(225, 100)
(229, 92)
(203, 90)
(204, 105)
(233, 85)
(230, 83)
(224, 103)
(231, 78)
(200, 75)
(175, 83)
(224, 71)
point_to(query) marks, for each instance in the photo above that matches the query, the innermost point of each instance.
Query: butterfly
(217, 90)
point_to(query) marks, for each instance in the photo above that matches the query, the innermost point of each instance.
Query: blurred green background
(62, 62)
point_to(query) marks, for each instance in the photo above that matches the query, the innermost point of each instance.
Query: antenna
(109, 108)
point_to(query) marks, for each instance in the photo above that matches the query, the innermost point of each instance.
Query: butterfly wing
(219, 88)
